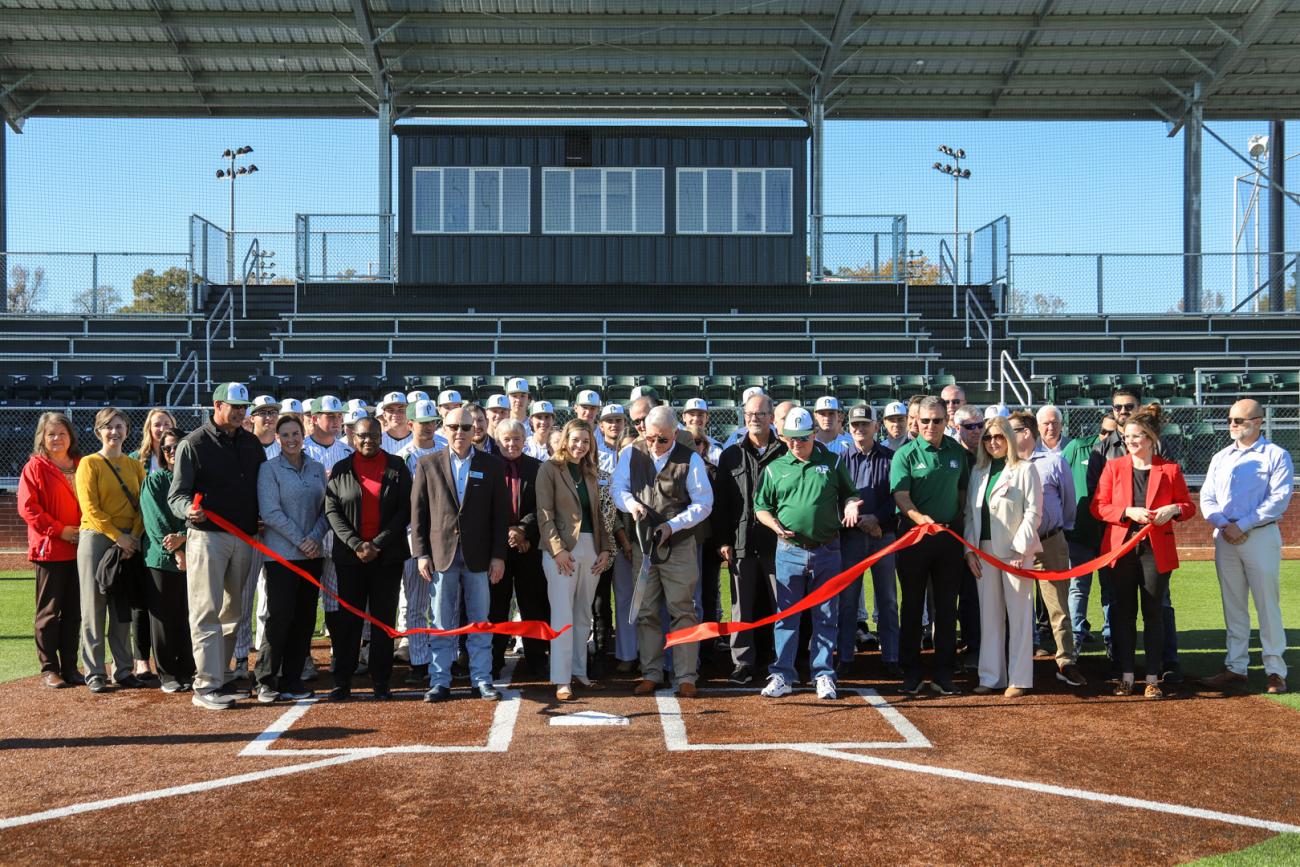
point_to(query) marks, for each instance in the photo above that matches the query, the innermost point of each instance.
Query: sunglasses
(658, 440)
(1123, 407)
(1241, 421)
(799, 439)
(638, 422)
(168, 450)
(1019, 430)
(988, 438)
(973, 425)
(932, 421)
(460, 427)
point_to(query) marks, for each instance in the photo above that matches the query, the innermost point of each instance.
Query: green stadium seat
(561, 404)
(816, 386)
(1068, 386)
(719, 387)
(486, 385)
(658, 383)
(619, 388)
(744, 383)
(915, 383)
(1179, 400)
(784, 387)
(431, 384)
(595, 382)
(1288, 381)
(941, 381)
(1101, 385)
(981, 397)
(1164, 386)
(465, 384)
(849, 388)
(1135, 381)
(1203, 439)
(722, 403)
(557, 388)
(1260, 381)
(685, 387)
(1081, 401)
(879, 386)
(1226, 383)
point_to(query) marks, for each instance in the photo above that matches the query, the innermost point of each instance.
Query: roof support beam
(830, 55)
(370, 42)
(1030, 37)
(177, 42)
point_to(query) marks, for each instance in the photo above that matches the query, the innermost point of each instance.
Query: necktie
(512, 475)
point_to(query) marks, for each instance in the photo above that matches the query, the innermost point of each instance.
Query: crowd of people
(440, 512)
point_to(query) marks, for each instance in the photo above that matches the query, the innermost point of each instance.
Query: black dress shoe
(339, 693)
(383, 693)
(130, 681)
(438, 693)
(488, 692)
(74, 678)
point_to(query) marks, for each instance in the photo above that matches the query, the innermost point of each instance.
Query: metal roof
(641, 58)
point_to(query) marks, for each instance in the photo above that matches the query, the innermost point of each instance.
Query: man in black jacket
(221, 461)
(748, 547)
(523, 574)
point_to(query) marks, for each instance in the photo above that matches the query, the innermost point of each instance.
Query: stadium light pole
(958, 175)
(230, 174)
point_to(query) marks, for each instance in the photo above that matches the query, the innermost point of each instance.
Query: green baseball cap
(233, 393)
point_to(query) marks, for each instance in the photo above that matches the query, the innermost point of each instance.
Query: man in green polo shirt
(928, 478)
(800, 499)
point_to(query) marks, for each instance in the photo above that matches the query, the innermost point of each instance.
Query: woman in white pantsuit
(576, 549)
(1003, 508)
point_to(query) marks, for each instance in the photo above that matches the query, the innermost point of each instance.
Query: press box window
(616, 201)
(735, 201)
(471, 201)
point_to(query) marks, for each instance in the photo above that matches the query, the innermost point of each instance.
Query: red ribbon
(524, 628)
(837, 584)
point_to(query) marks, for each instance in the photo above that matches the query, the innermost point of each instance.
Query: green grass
(1282, 849)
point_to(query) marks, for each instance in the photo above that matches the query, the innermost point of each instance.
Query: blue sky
(81, 185)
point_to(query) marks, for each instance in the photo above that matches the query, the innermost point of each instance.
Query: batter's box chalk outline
(676, 739)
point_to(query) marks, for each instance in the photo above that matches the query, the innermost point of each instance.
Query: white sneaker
(212, 701)
(826, 687)
(776, 687)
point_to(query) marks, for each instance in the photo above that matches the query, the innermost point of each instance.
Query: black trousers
(1134, 581)
(290, 620)
(937, 561)
(372, 587)
(753, 597)
(58, 616)
(602, 612)
(141, 633)
(710, 590)
(968, 612)
(525, 580)
(168, 609)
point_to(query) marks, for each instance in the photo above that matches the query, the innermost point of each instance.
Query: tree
(1038, 304)
(25, 289)
(159, 293)
(920, 271)
(1211, 302)
(92, 302)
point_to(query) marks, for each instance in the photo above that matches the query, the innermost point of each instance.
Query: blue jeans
(856, 546)
(1081, 589)
(798, 573)
(447, 590)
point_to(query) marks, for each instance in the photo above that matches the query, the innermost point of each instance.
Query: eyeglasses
(460, 427)
(973, 425)
(1123, 407)
(799, 439)
(932, 420)
(1241, 421)
(368, 435)
(1019, 430)
(757, 414)
(988, 438)
(1135, 437)
(658, 440)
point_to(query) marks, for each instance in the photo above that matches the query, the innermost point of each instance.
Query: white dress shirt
(1248, 486)
(697, 488)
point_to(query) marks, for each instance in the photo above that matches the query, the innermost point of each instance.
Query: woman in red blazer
(47, 502)
(1136, 489)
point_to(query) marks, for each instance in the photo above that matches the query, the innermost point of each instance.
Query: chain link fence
(332, 248)
(95, 284)
(1192, 437)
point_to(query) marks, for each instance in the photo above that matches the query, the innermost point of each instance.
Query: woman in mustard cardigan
(576, 549)
(108, 489)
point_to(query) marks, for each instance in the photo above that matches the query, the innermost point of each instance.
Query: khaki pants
(91, 547)
(217, 567)
(1055, 557)
(673, 582)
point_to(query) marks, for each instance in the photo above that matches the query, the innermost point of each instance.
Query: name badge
(602, 482)
(475, 474)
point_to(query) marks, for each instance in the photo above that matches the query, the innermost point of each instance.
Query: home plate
(589, 718)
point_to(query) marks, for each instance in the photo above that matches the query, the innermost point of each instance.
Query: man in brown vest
(664, 486)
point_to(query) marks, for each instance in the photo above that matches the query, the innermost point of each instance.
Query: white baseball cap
(997, 410)
(393, 398)
(517, 385)
(799, 423)
(750, 392)
(416, 396)
(263, 400)
(644, 391)
(352, 416)
(291, 406)
(497, 401)
(233, 393)
(587, 397)
(893, 408)
(610, 409)
(425, 410)
(541, 407)
(309, 406)
(449, 396)
(329, 403)
(695, 404)
(357, 403)
(826, 403)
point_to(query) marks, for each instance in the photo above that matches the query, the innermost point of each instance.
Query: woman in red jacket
(47, 501)
(1137, 489)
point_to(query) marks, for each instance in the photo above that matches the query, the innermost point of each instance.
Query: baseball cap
(610, 409)
(290, 406)
(329, 403)
(587, 397)
(827, 402)
(695, 404)
(497, 401)
(893, 408)
(263, 401)
(416, 396)
(799, 423)
(309, 406)
(233, 393)
(862, 412)
(644, 391)
(750, 392)
(541, 407)
(424, 410)
(997, 410)
(393, 398)
(517, 385)
(449, 396)
(352, 416)
(355, 404)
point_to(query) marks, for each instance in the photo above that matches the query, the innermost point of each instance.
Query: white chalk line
(1050, 789)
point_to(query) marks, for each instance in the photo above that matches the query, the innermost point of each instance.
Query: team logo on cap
(416, 396)
(235, 393)
(449, 396)
(541, 407)
(497, 401)
(424, 410)
(357, 403)
(611, 409)
(393, 398)
(695, 404)
(264, 400)
(289, 405)
(518, 385)
(587, 397)
(329, 403)
(827, 402)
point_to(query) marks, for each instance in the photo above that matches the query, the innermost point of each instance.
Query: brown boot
(645, 687)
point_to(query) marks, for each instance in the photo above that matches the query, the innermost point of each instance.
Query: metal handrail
(250, 266)
(1262, 286)
(1007, 366)
(212, 328)
(950, 265)
(1196, 372)
(182, 382)
(985, 325)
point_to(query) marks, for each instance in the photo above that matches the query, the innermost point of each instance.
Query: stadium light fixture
(230, 174)
(958, 174)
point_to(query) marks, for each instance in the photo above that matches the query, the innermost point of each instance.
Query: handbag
(133, 590)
